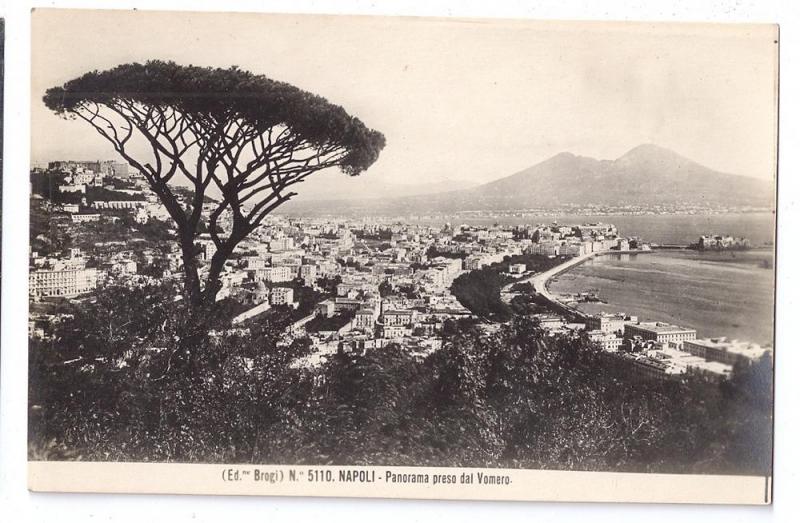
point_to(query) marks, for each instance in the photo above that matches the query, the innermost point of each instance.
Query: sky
(458, 100)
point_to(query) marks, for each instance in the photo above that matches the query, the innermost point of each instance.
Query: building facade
(659, 332)
(67, 283)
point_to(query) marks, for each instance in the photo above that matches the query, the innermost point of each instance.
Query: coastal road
(539, 280)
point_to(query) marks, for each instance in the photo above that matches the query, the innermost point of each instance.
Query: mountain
(647, 176)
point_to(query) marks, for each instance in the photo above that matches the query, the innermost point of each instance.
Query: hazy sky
(465, 100)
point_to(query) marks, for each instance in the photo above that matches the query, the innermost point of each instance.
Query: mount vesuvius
(646, 176)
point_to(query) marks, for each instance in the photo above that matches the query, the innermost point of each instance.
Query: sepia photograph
(402, 257)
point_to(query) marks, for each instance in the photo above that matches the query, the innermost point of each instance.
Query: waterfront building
(725, 351)
(718, 243)
(659, 332)
(648, 367)
(667, 362)
(710, 369)
(597, 230)
(604, 322)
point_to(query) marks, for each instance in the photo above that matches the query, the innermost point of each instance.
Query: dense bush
(479, 291)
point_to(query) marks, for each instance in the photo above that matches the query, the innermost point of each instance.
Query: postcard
(397, 257)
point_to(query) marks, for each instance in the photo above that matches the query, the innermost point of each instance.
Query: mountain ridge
(646, 176)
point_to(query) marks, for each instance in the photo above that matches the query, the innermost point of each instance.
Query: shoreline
(541, 280)
(707, 325)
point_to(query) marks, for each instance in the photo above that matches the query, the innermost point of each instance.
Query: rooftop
(661, 327)
(744, 348)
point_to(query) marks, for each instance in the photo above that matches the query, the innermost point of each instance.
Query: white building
(725, 351)
(516, 268)
(281, 244)
(85, 217)
(281, 296)
(608, 323)
(45, 283)
(659, 332)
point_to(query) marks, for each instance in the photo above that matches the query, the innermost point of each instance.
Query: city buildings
(374, 282)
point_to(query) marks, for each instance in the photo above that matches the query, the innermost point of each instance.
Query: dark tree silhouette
(251, 137)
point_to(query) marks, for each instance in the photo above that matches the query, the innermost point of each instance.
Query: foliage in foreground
(515, 398)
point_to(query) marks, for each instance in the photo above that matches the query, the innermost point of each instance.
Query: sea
(718, 293)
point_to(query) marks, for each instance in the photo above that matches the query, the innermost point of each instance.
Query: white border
(381, 482)
(17, 504)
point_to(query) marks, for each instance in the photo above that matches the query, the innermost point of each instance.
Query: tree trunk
(190, 272)
(213, 283)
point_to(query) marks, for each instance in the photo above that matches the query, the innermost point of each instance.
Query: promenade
(539, 281)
